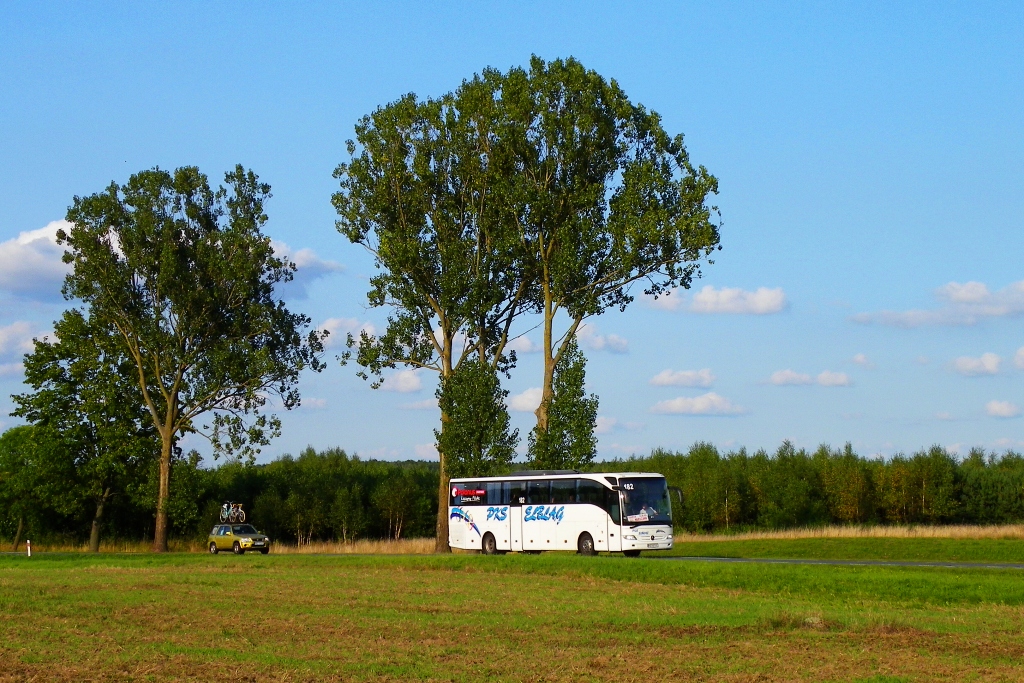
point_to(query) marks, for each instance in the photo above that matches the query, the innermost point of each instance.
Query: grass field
(294, 617)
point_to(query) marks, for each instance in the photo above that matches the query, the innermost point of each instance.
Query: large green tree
(604, 198)
(183, 276)
(425, 192)
(84, 397)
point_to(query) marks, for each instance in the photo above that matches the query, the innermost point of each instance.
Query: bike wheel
(241, 516)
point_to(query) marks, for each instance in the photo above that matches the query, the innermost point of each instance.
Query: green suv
(237, 538)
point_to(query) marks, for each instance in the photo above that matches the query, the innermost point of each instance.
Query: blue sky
(871, 159)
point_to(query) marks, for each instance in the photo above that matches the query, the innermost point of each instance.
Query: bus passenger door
(515, 516)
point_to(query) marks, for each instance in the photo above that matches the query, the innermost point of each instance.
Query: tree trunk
(160, 535)
(441, 542)
(549, 361)
(94, 535)
(17, 534)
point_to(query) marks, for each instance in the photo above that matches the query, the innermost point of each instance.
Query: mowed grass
(513, 618)
(898, 549)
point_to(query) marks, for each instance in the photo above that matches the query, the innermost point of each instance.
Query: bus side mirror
(679, 493)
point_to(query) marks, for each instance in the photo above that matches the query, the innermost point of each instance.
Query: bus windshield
(645, 501)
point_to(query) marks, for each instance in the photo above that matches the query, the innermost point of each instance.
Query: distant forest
(330, 495)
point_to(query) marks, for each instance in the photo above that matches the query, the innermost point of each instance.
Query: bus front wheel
(490, 546)
(631, 553)
(585, 546)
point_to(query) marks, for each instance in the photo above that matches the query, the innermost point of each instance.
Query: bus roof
(567, 475)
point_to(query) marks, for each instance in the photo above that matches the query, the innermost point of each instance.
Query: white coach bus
(539, 510)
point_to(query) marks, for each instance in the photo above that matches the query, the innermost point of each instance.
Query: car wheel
(490, 546)
(631, 553)
(264, 551)
(213, 548)
(238, 549)
(585, 546)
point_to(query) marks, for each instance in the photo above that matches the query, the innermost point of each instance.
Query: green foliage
(569, 441)
(604, 198)
(183, 278)
(425, 193)
(36, 482)
(85, 398)
(476, 438)
(792, 488)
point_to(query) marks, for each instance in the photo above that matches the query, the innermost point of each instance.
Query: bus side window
(506, 490)
(563, 491)
(538, 492)
(494, 493)
(591, 492)
(516, 493)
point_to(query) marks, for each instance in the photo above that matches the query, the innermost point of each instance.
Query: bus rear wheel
(631, 553)
(585, 545)
(490, 546)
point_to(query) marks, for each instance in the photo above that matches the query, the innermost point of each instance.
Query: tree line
(327, 495)
(793, 487)
(332, 496)
(536, 196)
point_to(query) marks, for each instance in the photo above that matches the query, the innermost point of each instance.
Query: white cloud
(828, 378)
(605, 425)
(589, 338)
(11, 369)
(944, 416)
(522, 345)
(671, 300)
(426, 404)
(425, 451)
(31, 265)
(863, 361)
(735, 300)
(1002, 409)
(987, 364)
(311, 403)
(309, 267)
(1018, 359)
(789, 378)
(527, 401)
(340, 328)
(962, 304)
(684, 378)
(706, 404)
(762, 301)
(403, 381)
(16, 339)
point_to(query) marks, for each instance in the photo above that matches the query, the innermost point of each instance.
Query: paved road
(850, 563)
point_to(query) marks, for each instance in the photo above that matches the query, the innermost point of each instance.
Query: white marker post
(28, 544)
